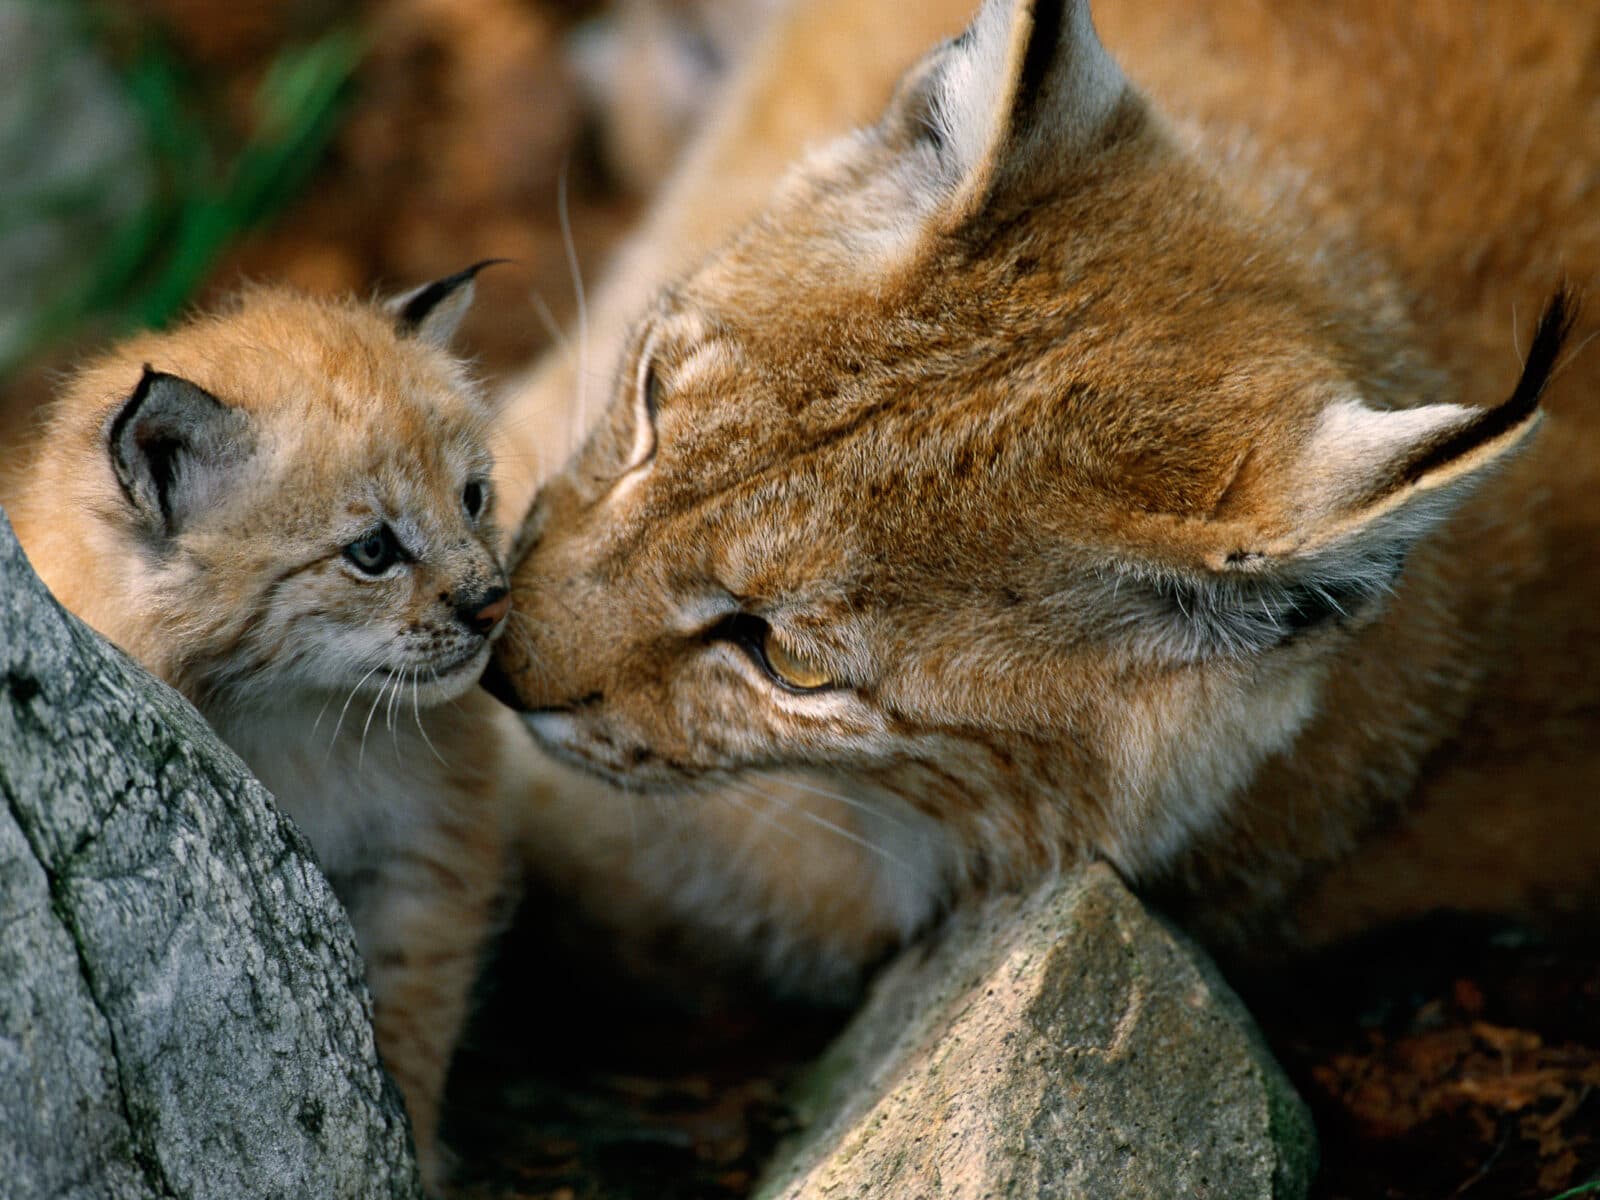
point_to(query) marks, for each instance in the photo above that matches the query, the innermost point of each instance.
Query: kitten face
(1008, 460)
(379, 567)
(306, 491)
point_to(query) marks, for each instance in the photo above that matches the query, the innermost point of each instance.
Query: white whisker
(338, 725)
(361, 755)
(388, 714)
(847, 834)
(764, 816)
(416, 714)
(827, 794)
(322, 712)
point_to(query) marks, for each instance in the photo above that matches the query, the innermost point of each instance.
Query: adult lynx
(1116, 449)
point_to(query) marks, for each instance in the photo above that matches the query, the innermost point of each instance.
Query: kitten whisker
(321, 712)
(388, 712)
(828, 794)
(361, 754)
(416, 714)
(334, 740)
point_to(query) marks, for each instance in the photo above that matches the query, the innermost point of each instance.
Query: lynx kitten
(285, 510)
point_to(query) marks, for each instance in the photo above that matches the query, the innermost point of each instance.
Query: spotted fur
(1132, 430)
(193, 499)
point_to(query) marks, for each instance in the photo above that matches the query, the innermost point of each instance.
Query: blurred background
(154, 153)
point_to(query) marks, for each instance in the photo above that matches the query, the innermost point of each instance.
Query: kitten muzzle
(484, 612)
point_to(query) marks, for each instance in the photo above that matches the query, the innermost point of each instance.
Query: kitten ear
(433, 312)
(173, 446)
(1333, 531)
(1025, 92)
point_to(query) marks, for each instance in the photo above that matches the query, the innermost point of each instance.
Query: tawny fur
(1035, 413)
(351, 697)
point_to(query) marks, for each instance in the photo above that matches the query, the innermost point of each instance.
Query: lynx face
(301, 491)
(1009, 461)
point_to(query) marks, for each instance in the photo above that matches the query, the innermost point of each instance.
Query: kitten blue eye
(376, 552)
(472, 497)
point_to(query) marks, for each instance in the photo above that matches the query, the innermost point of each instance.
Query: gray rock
(182, 1009)
(1068, 1044)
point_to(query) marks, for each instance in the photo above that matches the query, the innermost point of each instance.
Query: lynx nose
(483, 612)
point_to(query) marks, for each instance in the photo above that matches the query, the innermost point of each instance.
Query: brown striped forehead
(401, 462)
(1073, 389)
(283, 356)
(1059, 411)
(838, 480)
(1104, 301)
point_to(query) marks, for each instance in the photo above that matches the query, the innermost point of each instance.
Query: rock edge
(1064, 1044)
(182, 1006)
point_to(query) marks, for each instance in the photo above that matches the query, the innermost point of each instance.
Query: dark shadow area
(578, 1081)
(1451, 1057)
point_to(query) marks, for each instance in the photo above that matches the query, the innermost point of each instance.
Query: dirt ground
(1439, 1062)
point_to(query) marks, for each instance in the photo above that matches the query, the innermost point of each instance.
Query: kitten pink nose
(493, 609)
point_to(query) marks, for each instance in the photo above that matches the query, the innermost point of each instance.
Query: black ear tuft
(433, 311)
(1550, 336)
(171, 444)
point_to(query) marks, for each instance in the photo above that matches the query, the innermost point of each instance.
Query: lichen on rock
(182, 1006)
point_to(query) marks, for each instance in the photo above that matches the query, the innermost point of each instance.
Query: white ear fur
(1363, 468)
(1026, 88)
(1367, 486)
(1356, 456)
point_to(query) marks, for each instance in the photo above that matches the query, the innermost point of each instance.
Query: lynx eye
(376, 552)
(473, 497)
(791, 667)
(788, 667)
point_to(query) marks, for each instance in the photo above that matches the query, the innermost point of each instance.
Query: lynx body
(1122, 445)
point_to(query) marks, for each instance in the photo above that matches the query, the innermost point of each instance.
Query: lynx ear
(173, 447)
(1334, 531)
(1363, 470)
(433, 312)
(1026, 91)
